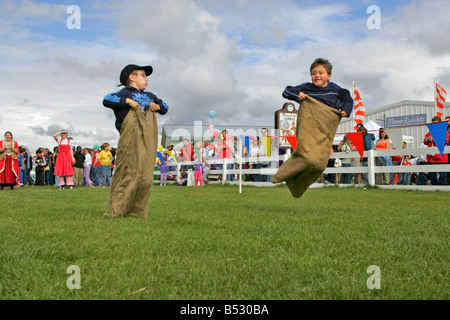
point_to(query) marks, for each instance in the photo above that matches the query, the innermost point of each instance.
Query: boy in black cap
(135, 111)
(133, 96)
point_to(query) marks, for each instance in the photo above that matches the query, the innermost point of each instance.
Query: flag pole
(435, 97)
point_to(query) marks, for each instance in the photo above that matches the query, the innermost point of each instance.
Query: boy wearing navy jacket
(322, 89)
(133, 97)
(135, 111)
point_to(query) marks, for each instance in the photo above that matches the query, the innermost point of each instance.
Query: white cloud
(25, 12)
(194, 70)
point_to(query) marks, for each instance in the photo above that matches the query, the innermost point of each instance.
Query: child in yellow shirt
(105, 159)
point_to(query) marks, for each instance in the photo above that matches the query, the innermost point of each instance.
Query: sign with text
(286, 122)
(405, 121)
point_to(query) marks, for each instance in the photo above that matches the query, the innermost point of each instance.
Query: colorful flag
(246, 140)
(438, 131)
(357, 140)
(160, 157)
(292, 141)
(358, 108)
(266, 142)
(169, 152)
(440, 97)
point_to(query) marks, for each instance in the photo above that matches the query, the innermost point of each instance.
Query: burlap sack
(135, 162)
(316, 127)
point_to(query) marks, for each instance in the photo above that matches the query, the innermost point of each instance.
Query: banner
(358, 108)
(267, 144)
(406, 121)
(439, 133)
(357, 140)
(292, 141)
(440, 97)
(246, 141)
(160, 156)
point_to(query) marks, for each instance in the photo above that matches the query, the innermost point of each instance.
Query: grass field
(214, 243)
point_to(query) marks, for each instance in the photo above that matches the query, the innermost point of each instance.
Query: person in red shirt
(9, 165)
(65, 160)
(436, 158)
(225, 151)
(405, 177)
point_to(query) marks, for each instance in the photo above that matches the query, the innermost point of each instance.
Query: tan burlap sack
(135, 162)
(316, 127)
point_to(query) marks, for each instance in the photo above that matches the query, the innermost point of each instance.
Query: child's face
(140, 79)
(320, 76)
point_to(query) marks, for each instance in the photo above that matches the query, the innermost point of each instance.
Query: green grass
(214, 243)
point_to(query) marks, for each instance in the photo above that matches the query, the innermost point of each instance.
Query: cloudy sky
(231, 56)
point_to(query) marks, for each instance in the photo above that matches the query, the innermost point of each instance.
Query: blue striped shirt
(332, 95)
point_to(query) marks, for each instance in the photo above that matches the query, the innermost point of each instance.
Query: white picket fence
(371, 169)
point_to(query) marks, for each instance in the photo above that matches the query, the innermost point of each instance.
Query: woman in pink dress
(9, 164)
(64, 160)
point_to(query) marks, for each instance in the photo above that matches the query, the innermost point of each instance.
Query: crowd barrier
(371, 169)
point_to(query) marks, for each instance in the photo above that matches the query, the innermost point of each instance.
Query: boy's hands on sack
(154, 107)
(301, 96)
(133, 104)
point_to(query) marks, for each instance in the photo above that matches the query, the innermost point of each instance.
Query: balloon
(216, 134)
(212, 113)
(160, 148)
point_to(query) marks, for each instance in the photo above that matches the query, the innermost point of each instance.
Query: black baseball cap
(129, 69)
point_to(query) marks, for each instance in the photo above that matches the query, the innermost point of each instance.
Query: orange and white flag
(358, 108)
(440, 96)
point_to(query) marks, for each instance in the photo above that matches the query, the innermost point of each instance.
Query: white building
(411, 116)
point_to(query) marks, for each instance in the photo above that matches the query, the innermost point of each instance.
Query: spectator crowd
(94, 166)
(400, 178)
(86, 166)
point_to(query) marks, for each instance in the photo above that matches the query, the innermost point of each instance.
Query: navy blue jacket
(332, 95)
(117, 102)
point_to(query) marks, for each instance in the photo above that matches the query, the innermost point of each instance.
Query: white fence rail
(371, 169)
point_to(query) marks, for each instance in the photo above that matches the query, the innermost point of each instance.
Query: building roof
(429, 104)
